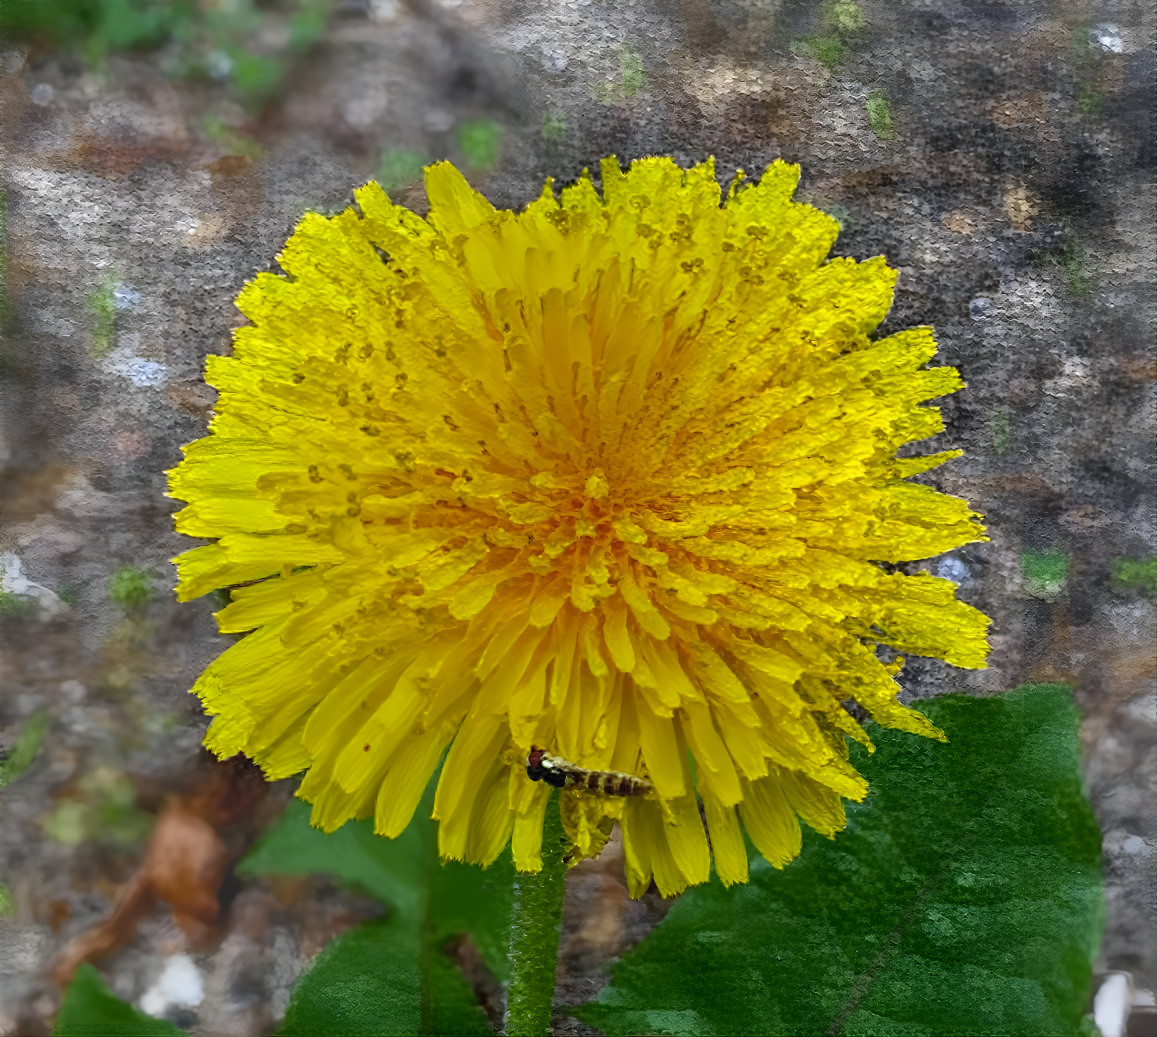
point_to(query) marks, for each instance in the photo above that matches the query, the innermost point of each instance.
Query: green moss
(1073, 264)
(880, 116)
(225, 41)
(480, 141)
(827, 50)
(234, 143)
(131, 588)
(632, 78)
(845, 17)
(15, 606)
(1045, 572)
(553, 127)
(1140, 574)
(102, 310)
(399, 167)
(19, 758)
(1000, 430)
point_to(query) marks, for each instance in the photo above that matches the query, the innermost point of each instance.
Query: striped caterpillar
(562, 774)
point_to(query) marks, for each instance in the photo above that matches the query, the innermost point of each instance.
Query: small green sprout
(632, 78)
(15, 606)
(398, 168)
(1000, 429)
(234, 143)
(827, 50)
(131, 588)
(7, 908)
(1138, 574)
(480, 141)
(553, 127)
(1089, 99)
(19, 758)
(846, 17)
(102, 308)
(1045, 572)
(880, 116)
(1073, 263)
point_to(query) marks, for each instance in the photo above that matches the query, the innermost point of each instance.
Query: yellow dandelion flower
(613, 478)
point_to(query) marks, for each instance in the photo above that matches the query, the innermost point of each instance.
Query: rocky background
(1000, 153)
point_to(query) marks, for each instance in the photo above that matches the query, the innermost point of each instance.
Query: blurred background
(154, 156)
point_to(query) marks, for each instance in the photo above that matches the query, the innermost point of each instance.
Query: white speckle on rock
(143, 373)
(952, 568)
(178, 986)
(125, 297)
(1134, 846)
(1107, 37)
(981, 308)
(41, 94)
(14, 582)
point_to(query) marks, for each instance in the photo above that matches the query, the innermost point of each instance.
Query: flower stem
(534, 931)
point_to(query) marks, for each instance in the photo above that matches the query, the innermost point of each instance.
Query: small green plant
(1089, 99)
(480, 141)
(227, 41)
(553, 127)
(102, 310)
(1000, 428)
(131, 588)
(827, 50)
(839, 24)
(1044, 572)
(20, 756)
(880, 116)
(234, 143)
(399, 167)
(845, 17)
(631, 79)
(7, 908)
(15, 606)
(106, 812)
(1139, 574)
(1073, 263)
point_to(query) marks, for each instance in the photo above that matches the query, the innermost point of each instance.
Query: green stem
(534, 933)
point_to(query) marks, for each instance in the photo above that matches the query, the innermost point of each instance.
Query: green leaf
(965, 897)
(90, 1009)
(389, 870)
(396, 963)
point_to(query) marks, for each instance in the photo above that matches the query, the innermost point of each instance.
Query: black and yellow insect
(540, 766)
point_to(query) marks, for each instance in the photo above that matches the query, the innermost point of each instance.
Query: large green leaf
(390, 977)
(965, 897)
(90, 1009)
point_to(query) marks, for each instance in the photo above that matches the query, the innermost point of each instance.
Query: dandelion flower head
(615, 476)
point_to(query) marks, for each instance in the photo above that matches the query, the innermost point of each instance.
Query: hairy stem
(534, 935)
